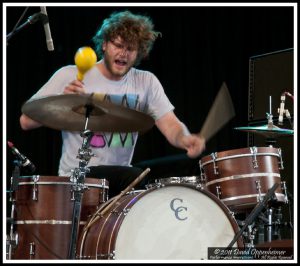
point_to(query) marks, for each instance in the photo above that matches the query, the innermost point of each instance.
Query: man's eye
(119, 46)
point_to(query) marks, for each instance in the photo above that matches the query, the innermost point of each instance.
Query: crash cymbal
(266, 130)
(67, 112)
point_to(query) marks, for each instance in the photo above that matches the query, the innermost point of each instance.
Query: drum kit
(172, 218)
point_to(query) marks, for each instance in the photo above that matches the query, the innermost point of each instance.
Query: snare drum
(44, 211)
(175, 221)
(241, 177)
(193, 180)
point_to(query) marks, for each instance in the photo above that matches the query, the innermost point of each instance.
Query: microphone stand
(256, 211)
(31, 20)
(78, 177)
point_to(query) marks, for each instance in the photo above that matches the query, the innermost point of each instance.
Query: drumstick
(219, 114)
(104, 211)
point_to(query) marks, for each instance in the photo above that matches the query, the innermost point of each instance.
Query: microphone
(281, 109)
(23, 159)
(45, 21)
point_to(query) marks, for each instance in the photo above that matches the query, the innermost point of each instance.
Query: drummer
(121, 42)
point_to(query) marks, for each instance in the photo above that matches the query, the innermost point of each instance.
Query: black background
(200, 48)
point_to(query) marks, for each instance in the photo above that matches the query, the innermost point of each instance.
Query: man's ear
(104, 46)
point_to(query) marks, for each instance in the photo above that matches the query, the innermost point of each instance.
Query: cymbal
(68, 112)
(269, 131)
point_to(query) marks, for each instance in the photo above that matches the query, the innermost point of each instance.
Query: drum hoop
(128, 206)
(53, 222)
(59, 183)
(241, 155)
(247, 196)
(235, 177)
(177, 179)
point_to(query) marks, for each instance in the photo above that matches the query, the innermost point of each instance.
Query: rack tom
(241, 177)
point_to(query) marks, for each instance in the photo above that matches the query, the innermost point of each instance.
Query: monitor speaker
(269, 76)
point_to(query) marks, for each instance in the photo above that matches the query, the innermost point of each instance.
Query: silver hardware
(106, 256)
(281, 167)
(258, 188)
(125, 211)
(232, 214)
(200, 186)
(202, 173)
(72, 195)
(253, 151)
(35, 187)
(218, 188)
(31, 249)
(269, 228)
(284, 188)
(12, 241)
(214, 156)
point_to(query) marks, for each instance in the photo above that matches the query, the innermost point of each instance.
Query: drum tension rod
(253, 151)
(214, 156)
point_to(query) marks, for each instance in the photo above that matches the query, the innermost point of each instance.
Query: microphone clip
(44, 18)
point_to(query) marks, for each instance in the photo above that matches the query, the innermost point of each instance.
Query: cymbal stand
(270, 141)
(256, 211)
(78, 177)
(269, 228)
(269, 115)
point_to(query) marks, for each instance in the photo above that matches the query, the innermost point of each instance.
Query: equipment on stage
(43, 214)
(171, 221)
(267, 131)
(67, 112)
(241, 177)
(175, 217)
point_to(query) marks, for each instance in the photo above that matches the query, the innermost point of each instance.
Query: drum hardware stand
(266, 220)
(12, 238)
(277, 223)
(78, 177)
(250, 235)
(269, 115)
(284, 188)
(255, 212)
(269, 228)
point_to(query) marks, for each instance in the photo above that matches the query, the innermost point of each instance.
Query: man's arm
(74, 87)
(27, 123)
(179, 136)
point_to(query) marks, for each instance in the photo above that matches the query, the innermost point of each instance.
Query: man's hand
(75, 87)
(194, 145)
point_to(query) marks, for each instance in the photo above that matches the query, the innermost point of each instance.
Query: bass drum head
(171, 222)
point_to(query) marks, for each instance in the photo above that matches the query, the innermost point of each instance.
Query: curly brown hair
(133, 29)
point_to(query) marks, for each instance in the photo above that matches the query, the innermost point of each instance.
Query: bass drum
(175, 221)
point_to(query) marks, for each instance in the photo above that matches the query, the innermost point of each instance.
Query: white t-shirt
(138, 90)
